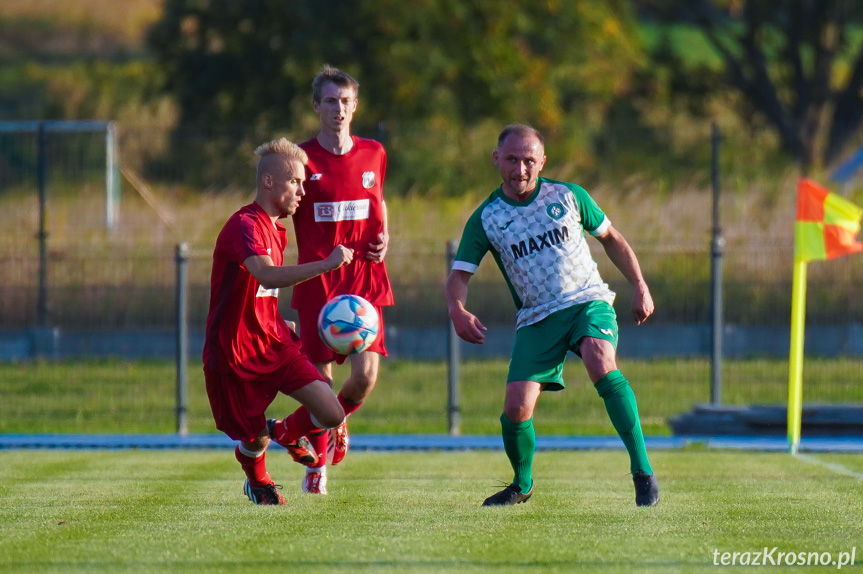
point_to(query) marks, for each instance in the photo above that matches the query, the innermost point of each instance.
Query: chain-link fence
(70, 287)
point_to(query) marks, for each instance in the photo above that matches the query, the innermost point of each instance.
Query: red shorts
(317, 351)
(239, 407)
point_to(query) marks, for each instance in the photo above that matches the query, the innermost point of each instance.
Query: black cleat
(646, 489)
(267, 495)
(509, 496)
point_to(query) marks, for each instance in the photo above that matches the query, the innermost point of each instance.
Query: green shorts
(540, 349)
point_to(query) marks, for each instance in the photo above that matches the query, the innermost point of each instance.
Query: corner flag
(826, 223)
(826, 227)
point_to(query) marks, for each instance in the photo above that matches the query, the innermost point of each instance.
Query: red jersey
(246, 335)
(343, 205)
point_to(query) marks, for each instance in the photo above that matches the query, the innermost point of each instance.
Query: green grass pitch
(184, 511)
(120, 396)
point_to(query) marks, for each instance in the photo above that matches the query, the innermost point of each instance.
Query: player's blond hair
(335, 76)
(280, 147)
(284, 148)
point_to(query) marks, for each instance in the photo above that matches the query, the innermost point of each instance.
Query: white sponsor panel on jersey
(342, 210)
(266, 292)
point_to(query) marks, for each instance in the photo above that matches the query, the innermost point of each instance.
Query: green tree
(798, 64)
(228, 62)
(431, 71)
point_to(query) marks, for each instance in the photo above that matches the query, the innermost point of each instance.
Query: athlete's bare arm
(272, 276)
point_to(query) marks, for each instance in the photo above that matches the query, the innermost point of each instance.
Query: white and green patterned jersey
(540, 247)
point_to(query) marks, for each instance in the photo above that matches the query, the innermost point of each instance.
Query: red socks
(320, 441)
(347, 406)
(255, 468)
(294, 426)
(298, 424)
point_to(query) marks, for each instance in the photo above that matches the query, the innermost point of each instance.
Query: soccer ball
(348, 324)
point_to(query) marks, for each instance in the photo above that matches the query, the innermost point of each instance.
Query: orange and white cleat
(301, 450)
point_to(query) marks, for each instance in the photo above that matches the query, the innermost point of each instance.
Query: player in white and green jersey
(539, 247)
(535, 228)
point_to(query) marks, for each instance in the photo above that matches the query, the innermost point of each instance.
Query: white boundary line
(837, 468)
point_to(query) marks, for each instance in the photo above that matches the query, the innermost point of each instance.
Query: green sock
(623, 412)
(519, 443)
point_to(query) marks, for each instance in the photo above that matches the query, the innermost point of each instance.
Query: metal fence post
(453, 360)
(42, 177)
(112, 179)
(716, 245)
(182, 328)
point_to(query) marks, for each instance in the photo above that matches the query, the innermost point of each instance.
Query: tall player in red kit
(344, 205)
(250, 352)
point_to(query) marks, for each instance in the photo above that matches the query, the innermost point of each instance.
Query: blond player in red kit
(250, 352)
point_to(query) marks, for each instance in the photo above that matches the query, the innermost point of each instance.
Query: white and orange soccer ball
(348, 324)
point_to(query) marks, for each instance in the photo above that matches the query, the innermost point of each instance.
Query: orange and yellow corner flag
(826, 227)
(827, 224)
